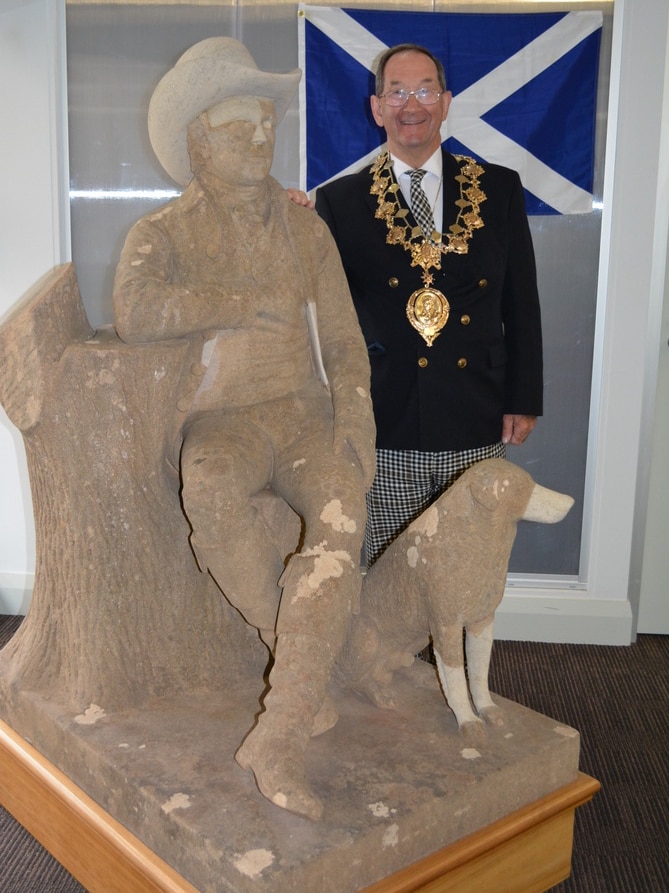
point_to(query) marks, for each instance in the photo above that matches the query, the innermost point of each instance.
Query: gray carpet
(617, 697)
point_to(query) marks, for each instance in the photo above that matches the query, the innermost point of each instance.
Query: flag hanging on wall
(524, 93)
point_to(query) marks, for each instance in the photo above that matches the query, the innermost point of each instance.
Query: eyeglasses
(424, 95)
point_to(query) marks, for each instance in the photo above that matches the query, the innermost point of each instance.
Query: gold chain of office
(426, 253)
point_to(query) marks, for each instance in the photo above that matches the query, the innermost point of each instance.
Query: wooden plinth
(528, 851)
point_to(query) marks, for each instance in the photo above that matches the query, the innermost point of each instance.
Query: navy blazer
(487, 360)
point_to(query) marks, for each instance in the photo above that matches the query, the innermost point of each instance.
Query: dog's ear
(496, 481)
(488, 486)
(492, 478)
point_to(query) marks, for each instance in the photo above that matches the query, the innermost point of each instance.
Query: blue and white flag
(524, 93)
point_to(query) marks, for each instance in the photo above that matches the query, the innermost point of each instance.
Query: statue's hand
(359, 432)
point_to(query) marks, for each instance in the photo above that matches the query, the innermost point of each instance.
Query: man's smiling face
(412, 130)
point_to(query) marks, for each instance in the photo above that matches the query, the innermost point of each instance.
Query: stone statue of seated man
(274, 391)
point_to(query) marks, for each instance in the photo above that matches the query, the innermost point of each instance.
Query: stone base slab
(398, 786)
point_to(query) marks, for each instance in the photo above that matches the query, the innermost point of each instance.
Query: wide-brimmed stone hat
(212, 70)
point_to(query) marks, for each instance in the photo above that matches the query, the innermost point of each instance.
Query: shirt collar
(433, 165)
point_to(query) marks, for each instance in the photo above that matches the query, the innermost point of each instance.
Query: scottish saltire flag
(524, 93)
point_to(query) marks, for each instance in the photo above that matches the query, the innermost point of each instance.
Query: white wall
(34, 232)
(649, 575)
(596, 608)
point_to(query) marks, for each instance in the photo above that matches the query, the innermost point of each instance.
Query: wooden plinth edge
(518, 854)
(528, 851)
(101, 854)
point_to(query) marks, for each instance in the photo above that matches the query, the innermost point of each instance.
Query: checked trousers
(406, 483)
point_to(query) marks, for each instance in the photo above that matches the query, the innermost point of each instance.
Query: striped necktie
(420, 206)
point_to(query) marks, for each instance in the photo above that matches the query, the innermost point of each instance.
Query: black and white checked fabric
(406, 483)
(420, 206)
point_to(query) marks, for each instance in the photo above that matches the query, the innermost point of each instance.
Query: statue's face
(240, 139)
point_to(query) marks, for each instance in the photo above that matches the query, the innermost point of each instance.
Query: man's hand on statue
(515, 428)
(299, 198)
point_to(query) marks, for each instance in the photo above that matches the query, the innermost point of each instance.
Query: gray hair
(407, 48)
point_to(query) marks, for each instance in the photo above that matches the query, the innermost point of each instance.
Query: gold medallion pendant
(427, 311)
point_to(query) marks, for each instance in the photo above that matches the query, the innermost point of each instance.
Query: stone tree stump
(120, 611)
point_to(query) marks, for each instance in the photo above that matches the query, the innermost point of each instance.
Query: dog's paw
(492, 716)
(473, 732)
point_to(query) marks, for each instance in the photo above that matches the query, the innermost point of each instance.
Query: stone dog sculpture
(275, 389)
(444, 574)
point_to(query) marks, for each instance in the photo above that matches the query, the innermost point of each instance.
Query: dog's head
(499, 485)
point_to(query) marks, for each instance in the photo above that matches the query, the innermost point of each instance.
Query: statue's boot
(319, 587)
(275, 749)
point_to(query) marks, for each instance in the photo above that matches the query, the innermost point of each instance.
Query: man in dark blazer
(451, 316)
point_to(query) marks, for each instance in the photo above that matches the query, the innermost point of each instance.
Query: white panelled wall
(34, 232)
(625, 370)
(625, 451)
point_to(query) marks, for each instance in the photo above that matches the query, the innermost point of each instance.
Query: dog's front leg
(447, 643)
(479, 647)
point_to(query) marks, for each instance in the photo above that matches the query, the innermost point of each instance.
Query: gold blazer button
(422, 362)
(465, 319)
(393, 282)
(462, 362)
(483, 283)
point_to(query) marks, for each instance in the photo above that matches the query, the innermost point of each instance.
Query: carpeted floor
(617, 697)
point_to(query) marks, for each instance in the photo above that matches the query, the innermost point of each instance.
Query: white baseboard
(533, 616)
(536, 616)
(16, 592)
